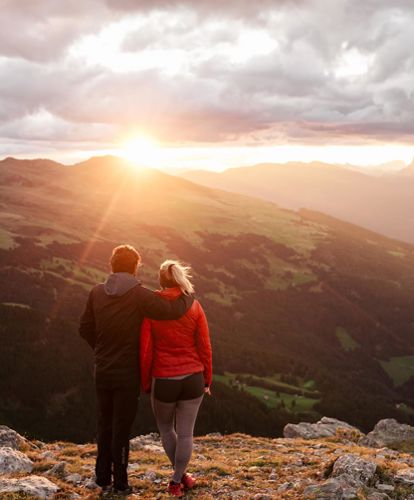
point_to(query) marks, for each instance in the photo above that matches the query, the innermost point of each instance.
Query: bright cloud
(272, 75)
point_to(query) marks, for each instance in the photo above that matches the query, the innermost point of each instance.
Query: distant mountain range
(381, 200)
(309, 315)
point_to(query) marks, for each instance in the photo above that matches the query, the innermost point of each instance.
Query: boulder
(361, 470)
(388, 432)
(35, 486)
(14, 461)
(326, 427)
(350, 473)
(10, 438)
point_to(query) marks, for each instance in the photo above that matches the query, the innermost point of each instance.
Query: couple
(159, 338)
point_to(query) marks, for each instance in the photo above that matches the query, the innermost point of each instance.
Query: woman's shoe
(175, 489)
(188, 481)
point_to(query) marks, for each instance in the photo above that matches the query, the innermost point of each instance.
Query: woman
(176, 367)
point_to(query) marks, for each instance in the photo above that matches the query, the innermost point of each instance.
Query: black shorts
(170, 391)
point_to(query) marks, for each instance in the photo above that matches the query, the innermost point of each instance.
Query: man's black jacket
(111, 324)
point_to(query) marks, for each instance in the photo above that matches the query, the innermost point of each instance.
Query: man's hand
(207, 391)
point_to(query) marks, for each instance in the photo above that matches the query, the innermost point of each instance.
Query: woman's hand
(207, 391)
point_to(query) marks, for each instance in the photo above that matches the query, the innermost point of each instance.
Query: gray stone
(36, 486)
(325, 427)
(405, 476)
(12, 460)
(150, 475)
(328, 490)
(384, 487)
(74, 478)
(285, 486)
(144, 441)
(10, 438)
(59, 469)
(358, 468)
(377, 495)
(388, 432)
(90, 484)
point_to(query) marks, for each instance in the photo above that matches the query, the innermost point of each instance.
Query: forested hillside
(308, 315)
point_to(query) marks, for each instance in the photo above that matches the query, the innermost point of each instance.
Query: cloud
(258, 72)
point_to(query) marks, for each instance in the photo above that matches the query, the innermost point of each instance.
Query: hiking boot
(175, 489)
(188, 481)
(123, 492)
(106, 490)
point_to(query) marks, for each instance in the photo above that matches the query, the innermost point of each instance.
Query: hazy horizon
(168, 84)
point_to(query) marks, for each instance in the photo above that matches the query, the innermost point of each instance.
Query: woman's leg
(185, 413)
(164, 415)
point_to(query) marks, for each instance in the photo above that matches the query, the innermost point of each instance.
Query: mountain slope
(381, 203)
(309, 315)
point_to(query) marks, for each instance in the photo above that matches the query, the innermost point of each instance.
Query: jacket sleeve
(146, 355)
(155, 307)
(87, 327)
(204, 347)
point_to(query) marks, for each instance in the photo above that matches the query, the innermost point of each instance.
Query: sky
(208, 84)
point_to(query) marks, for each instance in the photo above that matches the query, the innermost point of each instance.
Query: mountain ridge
(295, 300)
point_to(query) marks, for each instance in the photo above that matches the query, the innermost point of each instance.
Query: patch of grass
(347, 342)
(399, 368)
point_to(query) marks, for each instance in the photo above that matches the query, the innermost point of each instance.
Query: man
(111, 323)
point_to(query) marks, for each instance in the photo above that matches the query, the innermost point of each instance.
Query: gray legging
(178, 441)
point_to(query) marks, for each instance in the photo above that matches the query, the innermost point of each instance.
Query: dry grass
(234, 466)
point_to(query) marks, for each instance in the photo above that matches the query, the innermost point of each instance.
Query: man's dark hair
(125, 259)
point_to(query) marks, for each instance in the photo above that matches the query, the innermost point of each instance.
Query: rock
(358, 468)
(139, 442)
(90, 484)
(328, 490)
(10, 438)
(405, 476)
(285, 486)
(384, 487)
(150, 475)
(261, 496)
(273, 476)
(325, 427)
(74, 478)
(214, 435)
(14, 461)
(153, 448)
(377, 495)
(59, 469)
(47, 455)
(388, 432)
(350, 472)
(36, 486)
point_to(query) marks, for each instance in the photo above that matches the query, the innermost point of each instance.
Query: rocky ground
(323, 461)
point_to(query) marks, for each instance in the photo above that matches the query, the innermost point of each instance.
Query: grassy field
(347, 342)
(400, 368)
(296, 403)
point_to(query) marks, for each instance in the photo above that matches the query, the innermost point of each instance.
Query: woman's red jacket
(175, 347)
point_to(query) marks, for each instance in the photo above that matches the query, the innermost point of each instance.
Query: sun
(140, 150)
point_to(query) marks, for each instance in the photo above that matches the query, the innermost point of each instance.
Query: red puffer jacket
(179, 347)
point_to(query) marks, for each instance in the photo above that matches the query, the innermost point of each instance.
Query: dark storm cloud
(291, 69)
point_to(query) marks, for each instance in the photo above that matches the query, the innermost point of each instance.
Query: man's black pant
(117, 407)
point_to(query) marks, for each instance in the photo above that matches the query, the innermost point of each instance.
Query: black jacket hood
(118, 284)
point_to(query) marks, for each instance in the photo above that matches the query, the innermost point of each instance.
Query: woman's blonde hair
(175, 273)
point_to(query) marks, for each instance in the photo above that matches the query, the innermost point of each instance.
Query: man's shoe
(106, 490)
(188, 481)
(175, 489)
(123, 492)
